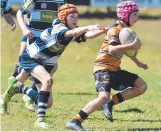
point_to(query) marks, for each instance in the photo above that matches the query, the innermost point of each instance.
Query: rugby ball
(127, 36)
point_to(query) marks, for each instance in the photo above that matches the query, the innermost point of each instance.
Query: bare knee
(48, 82)
(104, 98)
(140, 86)
(143, 88)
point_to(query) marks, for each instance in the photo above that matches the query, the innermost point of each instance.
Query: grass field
(74, 84)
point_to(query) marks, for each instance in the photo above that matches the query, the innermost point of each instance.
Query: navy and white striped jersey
(43, 12)
(5, 7)
(51, 43)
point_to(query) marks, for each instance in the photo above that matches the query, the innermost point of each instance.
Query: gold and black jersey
(107, 61)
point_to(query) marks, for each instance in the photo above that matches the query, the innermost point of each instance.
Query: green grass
(74, 84)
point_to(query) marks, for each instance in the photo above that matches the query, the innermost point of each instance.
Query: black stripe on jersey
(33, 2)
(40, 25)
(49, 30)
(104, 63)
(105, 41)
(24, 11)
(49, 53)
(52, 6)
(103, 51)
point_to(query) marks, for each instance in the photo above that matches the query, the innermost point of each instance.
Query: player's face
(133, 18)
(72, 20)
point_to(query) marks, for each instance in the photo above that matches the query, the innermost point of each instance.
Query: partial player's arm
(8, 18)
(90, 35)
(139, 63)
(24, 10)
(115, 48)
(80, 30)
(95, 33)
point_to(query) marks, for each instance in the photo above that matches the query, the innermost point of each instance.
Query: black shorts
(117, 80)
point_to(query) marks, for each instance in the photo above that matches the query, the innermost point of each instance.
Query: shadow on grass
(136, 110)
(122, 120)
(138, 120)
(144, 129)
(76, 93)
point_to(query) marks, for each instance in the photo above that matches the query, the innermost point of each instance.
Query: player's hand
(107, 28)
(94, 27)
(142, 65)
(27, 33)
(13, 26)
(137, 43)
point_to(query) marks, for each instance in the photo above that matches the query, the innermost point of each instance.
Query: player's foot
(6, 97)
(75, 125)
(30, 105)
(3, 106)
(41, 123)
(107, 110)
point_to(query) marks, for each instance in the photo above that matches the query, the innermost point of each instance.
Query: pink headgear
(125, 8)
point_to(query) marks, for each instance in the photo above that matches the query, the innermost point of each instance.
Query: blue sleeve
(7, 8)
(28, 7)
(63, 40)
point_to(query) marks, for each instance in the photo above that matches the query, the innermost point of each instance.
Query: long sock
(43, 97)
(28, 91)
(111, 103)
(33, 86)
(10, 91)
(81, 116)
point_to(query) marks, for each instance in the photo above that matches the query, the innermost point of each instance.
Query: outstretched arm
(95, 33)
(139, 63)
(80, 30)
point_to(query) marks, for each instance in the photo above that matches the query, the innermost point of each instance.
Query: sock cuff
(117, 98)
(81, 116)
(44, 93)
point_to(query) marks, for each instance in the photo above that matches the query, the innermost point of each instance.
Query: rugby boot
(75, 125)
(107, 110)
(29, 103)
(41, 123)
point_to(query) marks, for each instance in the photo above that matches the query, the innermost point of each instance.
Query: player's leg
(11, 90)
(103, 87)
(40, 73)
(75, 123)
(14, 84)
(50, 100)
(28, 101)
(36, 85)
(51, 69)
(137, 86)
